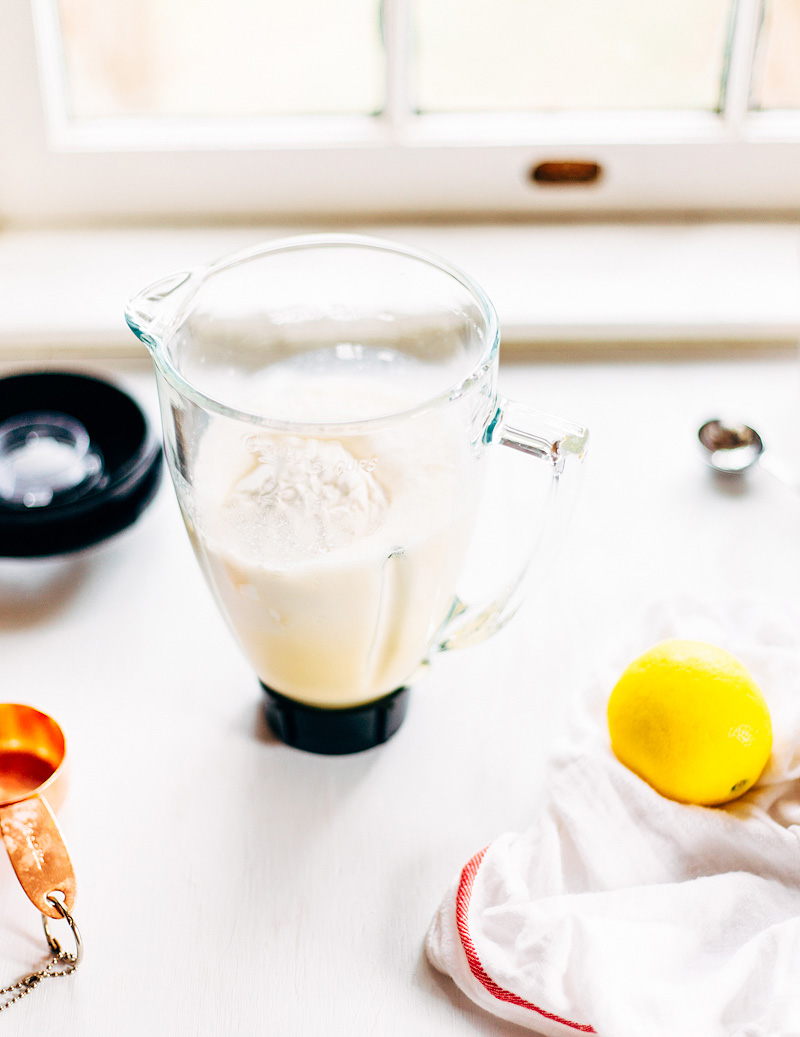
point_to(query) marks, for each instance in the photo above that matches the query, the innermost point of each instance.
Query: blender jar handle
(559, 443)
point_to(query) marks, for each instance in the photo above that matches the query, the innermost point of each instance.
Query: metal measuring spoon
(732, 449)
(32, 753)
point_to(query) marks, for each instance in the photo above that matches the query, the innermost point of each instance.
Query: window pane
(221, 57)
(777, 79)
(535, 55)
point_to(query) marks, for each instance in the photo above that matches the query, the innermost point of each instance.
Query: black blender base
(335, 732)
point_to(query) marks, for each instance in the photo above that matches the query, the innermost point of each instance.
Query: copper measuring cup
(32, 752)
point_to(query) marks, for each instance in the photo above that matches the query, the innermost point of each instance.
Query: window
(776, 80)
(574, 55)
(137, 109)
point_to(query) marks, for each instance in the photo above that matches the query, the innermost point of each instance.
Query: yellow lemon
(688, 718)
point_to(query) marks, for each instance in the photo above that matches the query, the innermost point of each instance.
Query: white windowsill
(592, 287)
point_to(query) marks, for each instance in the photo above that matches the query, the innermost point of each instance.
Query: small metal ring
(52, 942)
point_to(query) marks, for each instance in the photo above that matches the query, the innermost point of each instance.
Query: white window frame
(54, 173)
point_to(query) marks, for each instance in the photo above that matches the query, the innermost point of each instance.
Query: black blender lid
(78, 463)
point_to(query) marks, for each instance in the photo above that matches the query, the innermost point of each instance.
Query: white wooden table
(231, 885)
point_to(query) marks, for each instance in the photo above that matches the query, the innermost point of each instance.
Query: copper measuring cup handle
(38, 854)
(32, 750)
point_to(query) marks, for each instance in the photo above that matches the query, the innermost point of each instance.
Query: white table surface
(231, 885)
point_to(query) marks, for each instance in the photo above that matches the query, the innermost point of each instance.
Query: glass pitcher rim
(200, 274)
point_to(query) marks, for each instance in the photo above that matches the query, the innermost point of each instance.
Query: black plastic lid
(78, 463)
(335, 732)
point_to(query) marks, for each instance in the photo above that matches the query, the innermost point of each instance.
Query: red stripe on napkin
(476, 968)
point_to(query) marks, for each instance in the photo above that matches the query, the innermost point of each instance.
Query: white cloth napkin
(625, 914)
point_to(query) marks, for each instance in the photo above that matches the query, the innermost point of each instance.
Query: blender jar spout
(151, 312)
